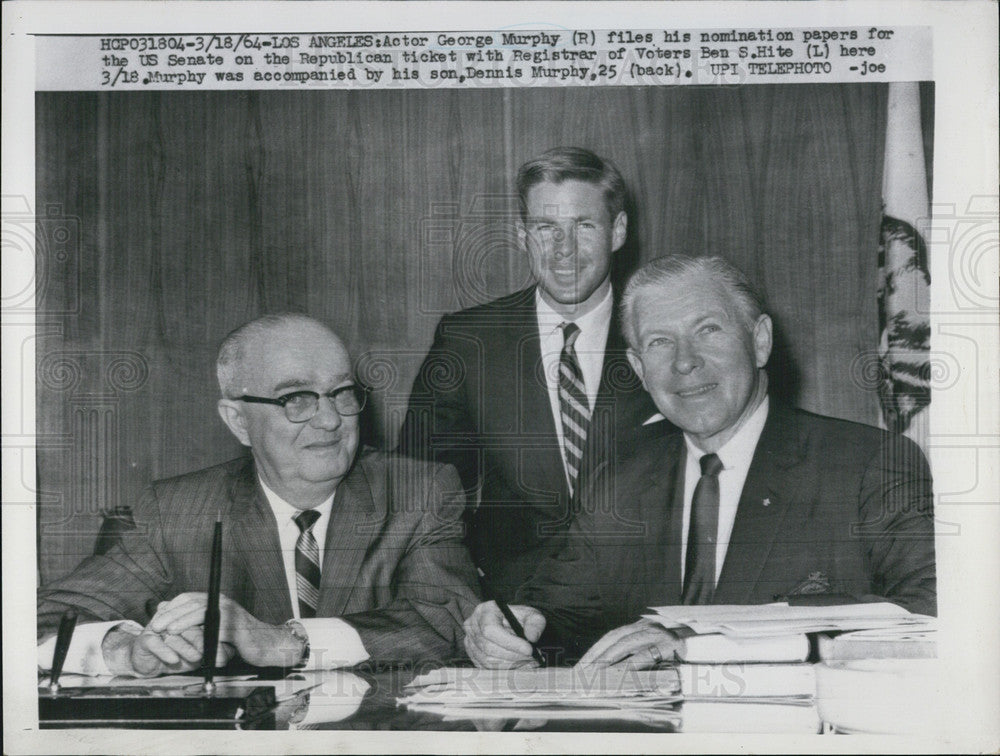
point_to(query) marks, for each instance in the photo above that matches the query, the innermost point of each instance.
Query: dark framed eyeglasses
(302, 406)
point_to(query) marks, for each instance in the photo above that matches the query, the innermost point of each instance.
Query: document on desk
(770, 717)
(545, 684)
(764, 620)
(546, 693)
(604, 692)
(716, 648)
(756, 716)
(908, 642)
(534, 686)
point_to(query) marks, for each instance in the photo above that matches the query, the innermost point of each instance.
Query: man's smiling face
(698, 357)
(570, 240)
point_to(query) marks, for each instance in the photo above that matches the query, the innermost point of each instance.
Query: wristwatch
(299, 632)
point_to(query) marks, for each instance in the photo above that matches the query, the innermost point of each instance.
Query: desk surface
(355, 700)
(873, 696)
(378, 709)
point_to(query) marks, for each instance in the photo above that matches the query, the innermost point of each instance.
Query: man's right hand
(490, 642)
(156, 652)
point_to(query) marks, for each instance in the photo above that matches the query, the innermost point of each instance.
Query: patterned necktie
(307, 563)
(699, 565)
(573, 405)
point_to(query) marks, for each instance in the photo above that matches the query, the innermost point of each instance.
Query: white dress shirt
(332, 642)
(736, 456)
(589, 349)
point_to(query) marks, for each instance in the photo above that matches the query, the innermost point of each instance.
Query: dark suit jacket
(394, 564)
(480, 403)
(828, 506)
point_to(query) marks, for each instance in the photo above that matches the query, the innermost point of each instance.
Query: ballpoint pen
(509, 615)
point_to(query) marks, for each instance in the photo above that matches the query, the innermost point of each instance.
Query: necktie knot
(710, 464)
(306, 519)
(570, 333)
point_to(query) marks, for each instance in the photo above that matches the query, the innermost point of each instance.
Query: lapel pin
(766, 502)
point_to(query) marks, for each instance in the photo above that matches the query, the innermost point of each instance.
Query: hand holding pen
(500, 636)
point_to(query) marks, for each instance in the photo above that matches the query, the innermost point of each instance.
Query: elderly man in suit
(524, 394)
(752, 503)
(331, 556)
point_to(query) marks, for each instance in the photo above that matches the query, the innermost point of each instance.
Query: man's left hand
(257, 643)
(641, 645)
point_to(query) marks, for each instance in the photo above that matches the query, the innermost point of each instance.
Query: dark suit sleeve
(583, 587)
(116, 585)
(897, 525)
(438, 420)
(565, 590)
(433, 583)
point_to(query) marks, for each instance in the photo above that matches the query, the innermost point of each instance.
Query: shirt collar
(738, 451)
(283, 511)
(549, 319)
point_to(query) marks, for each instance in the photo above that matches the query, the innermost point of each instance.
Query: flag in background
(904, 276)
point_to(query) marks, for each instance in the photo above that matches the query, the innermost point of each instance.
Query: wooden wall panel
(63, 317)
(379, 212)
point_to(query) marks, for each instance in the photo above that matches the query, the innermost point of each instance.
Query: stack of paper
(749, 676)
(906, 642)
(771, 717)
(758, 692)
(746, 681)
(770, 620)
(546, 693)
(773, 632)
(715, 648)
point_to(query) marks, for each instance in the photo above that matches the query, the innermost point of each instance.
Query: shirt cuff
(332, 643)
(85, 656)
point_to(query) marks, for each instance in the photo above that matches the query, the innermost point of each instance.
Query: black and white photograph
(485, 379)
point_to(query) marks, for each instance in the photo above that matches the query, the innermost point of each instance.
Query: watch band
(299, 632)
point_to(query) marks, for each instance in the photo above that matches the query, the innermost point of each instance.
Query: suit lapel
(621, 408)
(543, 459)
(617, 377)
(771, 487)
(347, 539)
(661, 508)
(257, 548)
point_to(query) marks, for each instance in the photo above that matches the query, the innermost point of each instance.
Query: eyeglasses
(302, 406)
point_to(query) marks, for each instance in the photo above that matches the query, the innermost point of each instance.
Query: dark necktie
(573, 406)
(307, 563)
(699, 564)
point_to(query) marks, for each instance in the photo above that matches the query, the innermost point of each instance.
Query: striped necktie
(307, 563)
(703, 534)
(574, 408)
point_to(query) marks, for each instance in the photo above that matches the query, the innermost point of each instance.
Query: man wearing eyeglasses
(331, 557)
